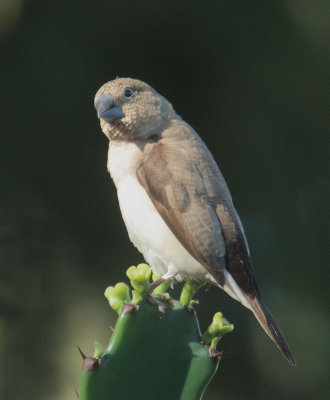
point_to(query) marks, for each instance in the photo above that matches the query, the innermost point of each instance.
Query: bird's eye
(128, 93)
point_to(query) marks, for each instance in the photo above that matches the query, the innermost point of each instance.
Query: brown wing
(188, 190)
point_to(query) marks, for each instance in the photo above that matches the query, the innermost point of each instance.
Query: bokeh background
(253, 79)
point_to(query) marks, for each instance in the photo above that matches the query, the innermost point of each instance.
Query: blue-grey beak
(106, 109)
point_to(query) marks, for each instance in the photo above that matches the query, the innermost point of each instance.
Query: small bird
(173, 198)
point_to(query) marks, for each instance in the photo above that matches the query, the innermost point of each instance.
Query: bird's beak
(106, 108)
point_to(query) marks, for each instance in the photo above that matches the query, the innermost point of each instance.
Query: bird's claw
(161, 306)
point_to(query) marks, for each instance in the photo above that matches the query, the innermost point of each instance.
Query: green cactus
(152, 355)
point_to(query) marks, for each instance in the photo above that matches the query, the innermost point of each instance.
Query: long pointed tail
(268, 323)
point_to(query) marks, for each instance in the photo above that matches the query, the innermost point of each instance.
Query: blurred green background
(253, 79)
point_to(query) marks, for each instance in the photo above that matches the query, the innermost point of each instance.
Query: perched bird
(173, 198)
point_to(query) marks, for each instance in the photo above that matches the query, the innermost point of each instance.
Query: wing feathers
(238, 259)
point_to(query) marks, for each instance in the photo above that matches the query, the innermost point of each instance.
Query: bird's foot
(160, 293)
(160, 305)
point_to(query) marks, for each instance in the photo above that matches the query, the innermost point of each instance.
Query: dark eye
(128, 93)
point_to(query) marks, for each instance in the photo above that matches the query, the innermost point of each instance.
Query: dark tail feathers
(268, 323)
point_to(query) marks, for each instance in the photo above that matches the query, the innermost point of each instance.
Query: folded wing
(186, 187)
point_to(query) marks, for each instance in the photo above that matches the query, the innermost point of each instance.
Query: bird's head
(130, 109)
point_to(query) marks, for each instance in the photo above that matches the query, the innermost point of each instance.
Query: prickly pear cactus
(152, 354)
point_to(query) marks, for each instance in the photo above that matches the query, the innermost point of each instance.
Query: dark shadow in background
(253, 79)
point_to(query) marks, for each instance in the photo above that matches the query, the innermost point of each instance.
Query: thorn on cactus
(83, 356)
(89, 363)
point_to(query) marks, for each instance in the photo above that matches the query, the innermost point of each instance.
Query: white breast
(146, 228)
